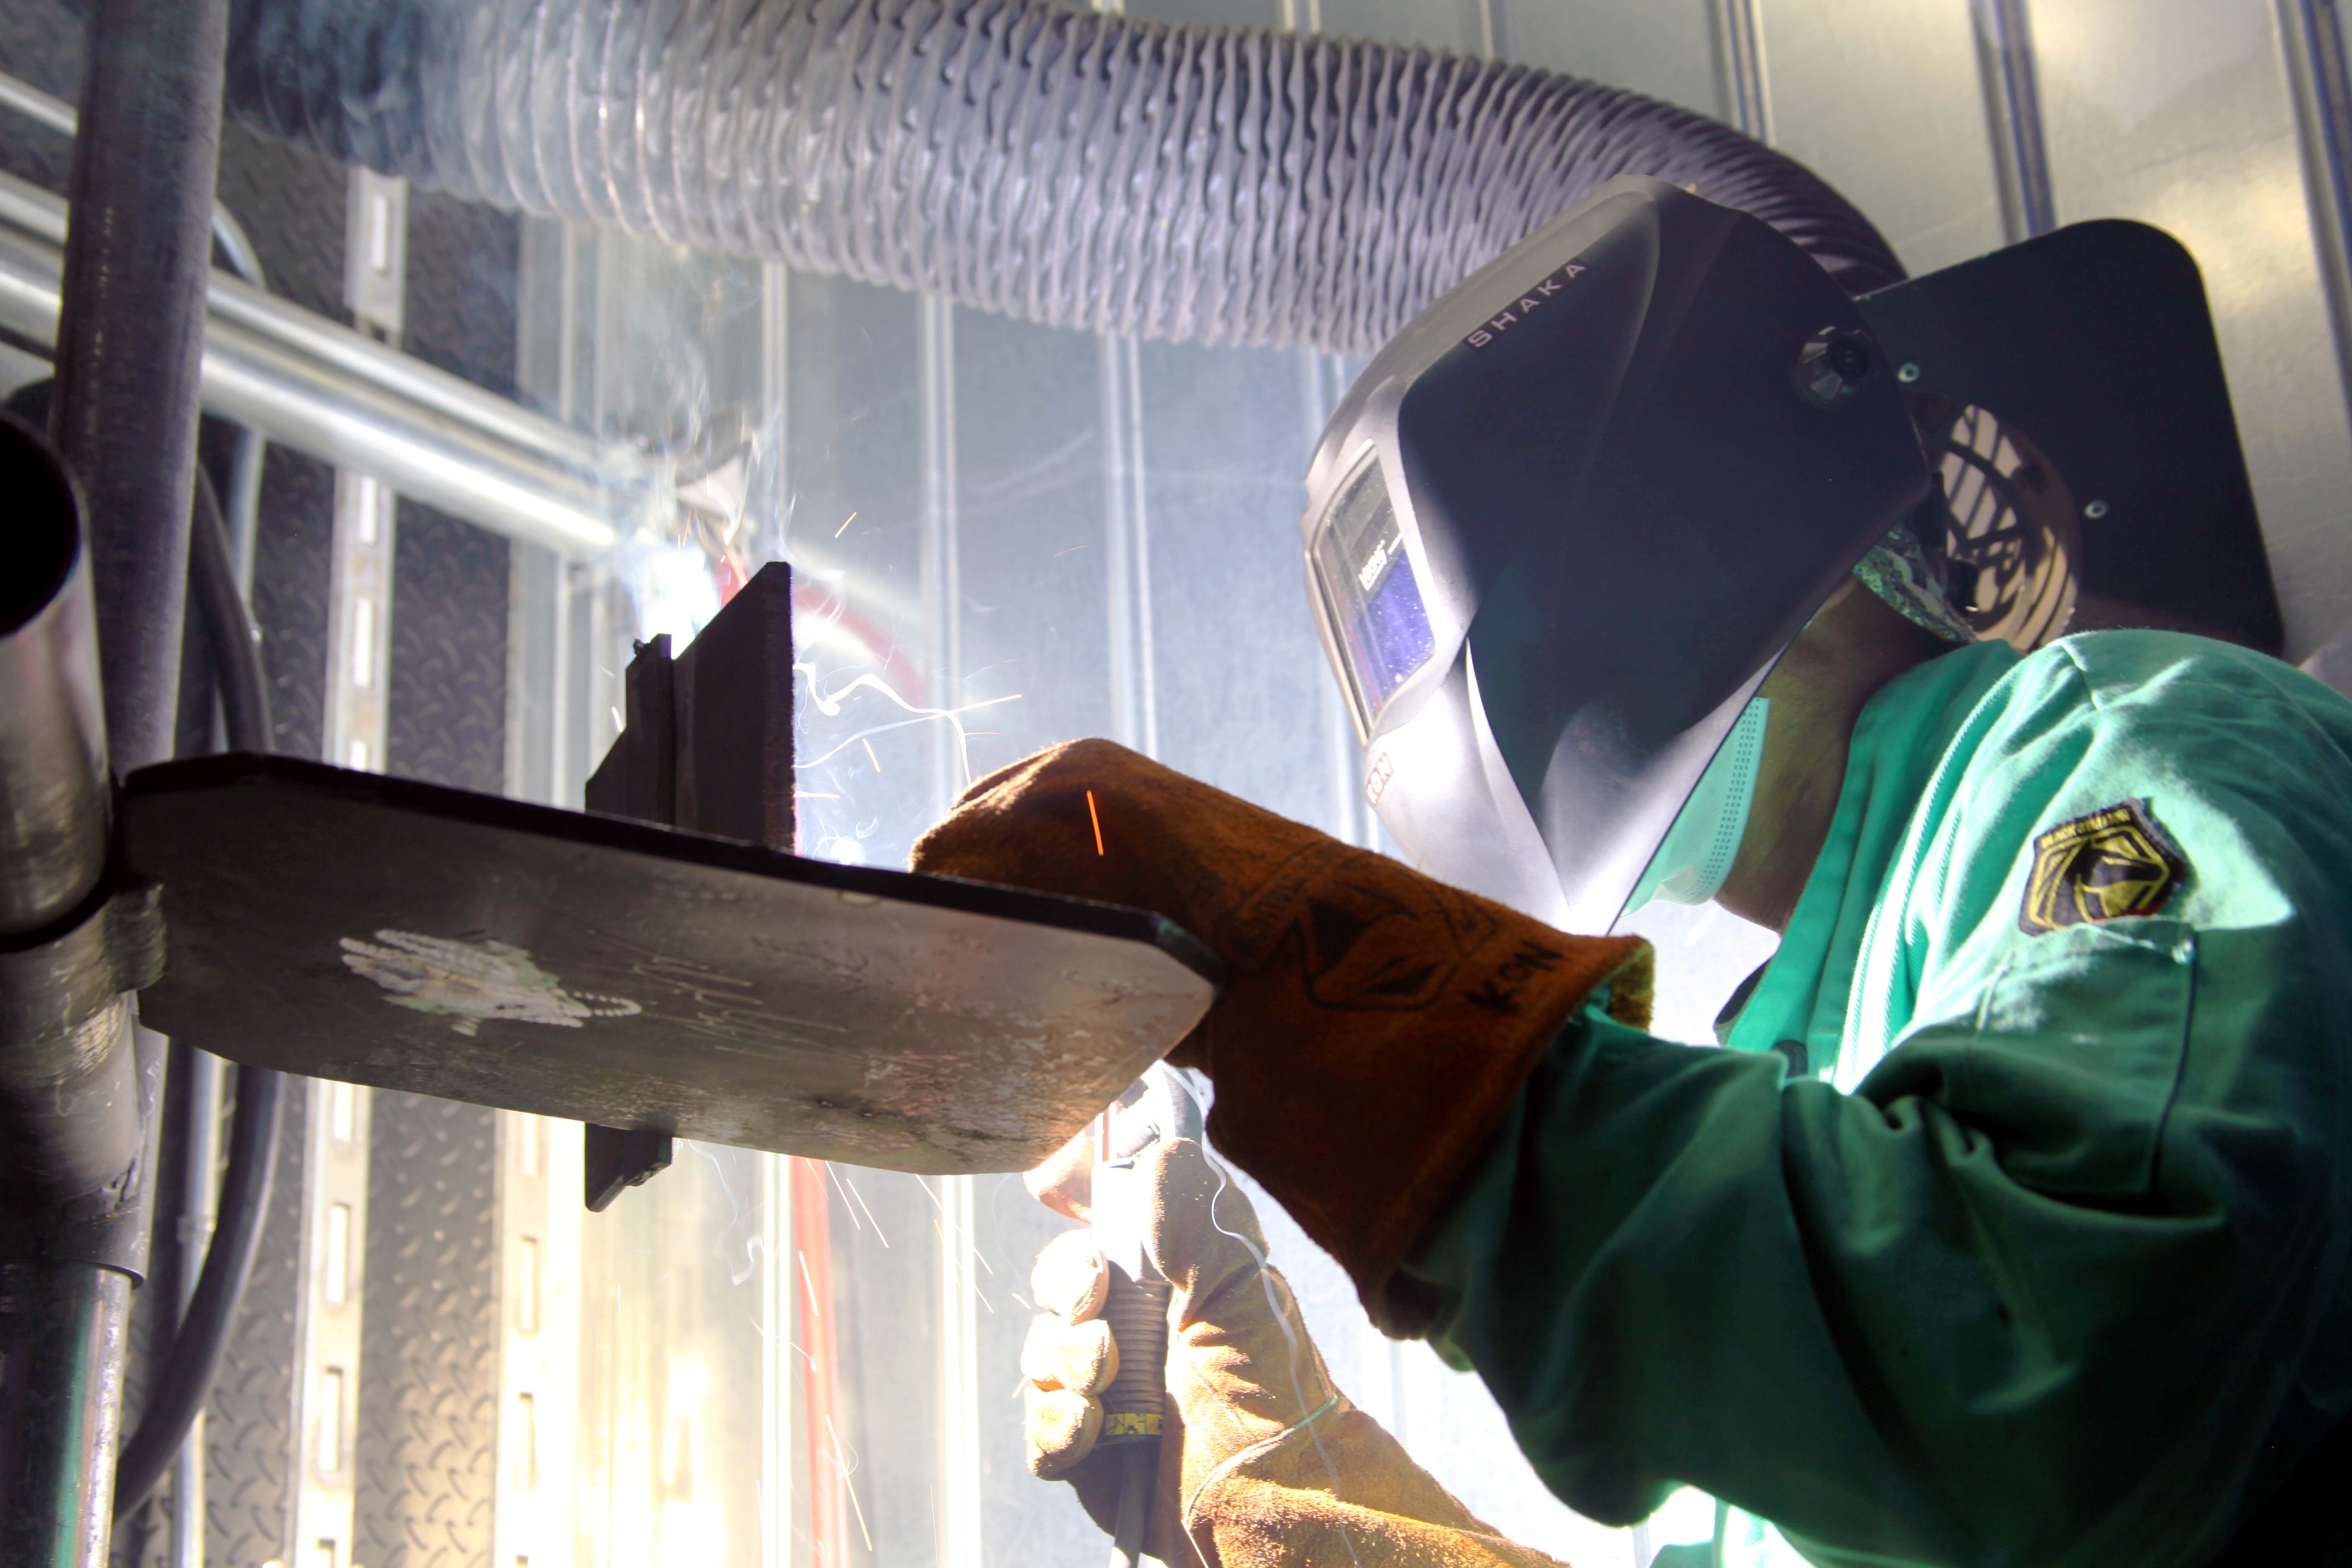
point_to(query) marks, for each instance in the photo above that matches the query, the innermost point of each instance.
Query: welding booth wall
(1224, 186)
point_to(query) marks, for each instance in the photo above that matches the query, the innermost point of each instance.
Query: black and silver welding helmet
(1560, 529)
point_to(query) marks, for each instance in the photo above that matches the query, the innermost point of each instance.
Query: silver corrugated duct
(1215, 184)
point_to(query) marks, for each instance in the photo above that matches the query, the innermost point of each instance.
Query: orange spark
(869, 754)
(845, 525)
(1095, 817)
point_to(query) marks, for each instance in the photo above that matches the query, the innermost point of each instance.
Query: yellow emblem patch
(2102, 867)
(1130, 1423)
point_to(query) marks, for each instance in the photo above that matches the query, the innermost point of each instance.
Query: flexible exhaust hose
(1210, 184)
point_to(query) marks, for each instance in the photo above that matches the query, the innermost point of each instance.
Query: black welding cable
(230, 636)
(204, 1327)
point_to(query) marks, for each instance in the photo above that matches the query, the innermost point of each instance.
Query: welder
(2008, 1222)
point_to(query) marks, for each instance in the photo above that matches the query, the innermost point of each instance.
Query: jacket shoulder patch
(2114, 862)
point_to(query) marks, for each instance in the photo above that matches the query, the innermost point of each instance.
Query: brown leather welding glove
(1376, 1023)
(1264, 1464)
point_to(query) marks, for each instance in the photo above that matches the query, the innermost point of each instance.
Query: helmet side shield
(1560, 529)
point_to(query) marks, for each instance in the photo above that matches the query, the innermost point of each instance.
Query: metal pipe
(62, 1331)
(28, 206)
(206, 1073)
(130, 340)
(2022, 158)
(59, 115)
(53, 780)
(130, 354)
(427, 434)
(70, 1106)
(206, 1081)
(245, 482)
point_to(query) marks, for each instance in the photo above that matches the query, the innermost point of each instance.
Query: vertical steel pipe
(61, 1345)
(70, 1101)
(129, 355)
(206, 1081)
(53, 785)
(130, 342)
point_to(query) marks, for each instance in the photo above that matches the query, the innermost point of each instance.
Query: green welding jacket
(2012, 1225)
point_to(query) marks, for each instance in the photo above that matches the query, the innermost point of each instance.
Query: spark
(869, 1212)
(1095, 817)
(968, 1242)
(969, 1277)
(869, 752)
(845, 525)
(845, 1196)
(1062, 552)
(813, 794)
(849, 1194)
(808, 1287)
(847, 1485)
(616, 718)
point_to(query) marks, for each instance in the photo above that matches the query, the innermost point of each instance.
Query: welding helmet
(1561, 527)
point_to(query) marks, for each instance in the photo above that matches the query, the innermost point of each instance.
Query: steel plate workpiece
(411, 937)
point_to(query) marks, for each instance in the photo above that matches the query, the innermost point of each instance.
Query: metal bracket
(51, 986)
(721, 777)
(621, 1157)
(73, 1094)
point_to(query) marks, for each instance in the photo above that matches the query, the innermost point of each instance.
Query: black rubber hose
(1214, 185)
(211, 1315)
(230, 637)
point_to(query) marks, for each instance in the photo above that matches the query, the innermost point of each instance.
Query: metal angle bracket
(707, 744)
(622, 1157)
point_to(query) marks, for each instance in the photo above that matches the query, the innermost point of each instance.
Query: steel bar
(441, 452)
(2013, 100)
(340, 397)
(206, 1073)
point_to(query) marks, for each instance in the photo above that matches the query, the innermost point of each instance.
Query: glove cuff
(1362, 1121)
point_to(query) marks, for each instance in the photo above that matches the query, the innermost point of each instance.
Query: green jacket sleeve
(2062, 1279)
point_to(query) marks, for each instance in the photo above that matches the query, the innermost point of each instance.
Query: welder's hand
(1263, 1461)
(1375, 1023)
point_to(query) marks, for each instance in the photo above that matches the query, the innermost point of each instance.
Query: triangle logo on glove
(1372, 954)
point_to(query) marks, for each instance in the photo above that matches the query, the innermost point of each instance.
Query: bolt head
(2096, 509)
(1831, 367)
(1907, 374)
